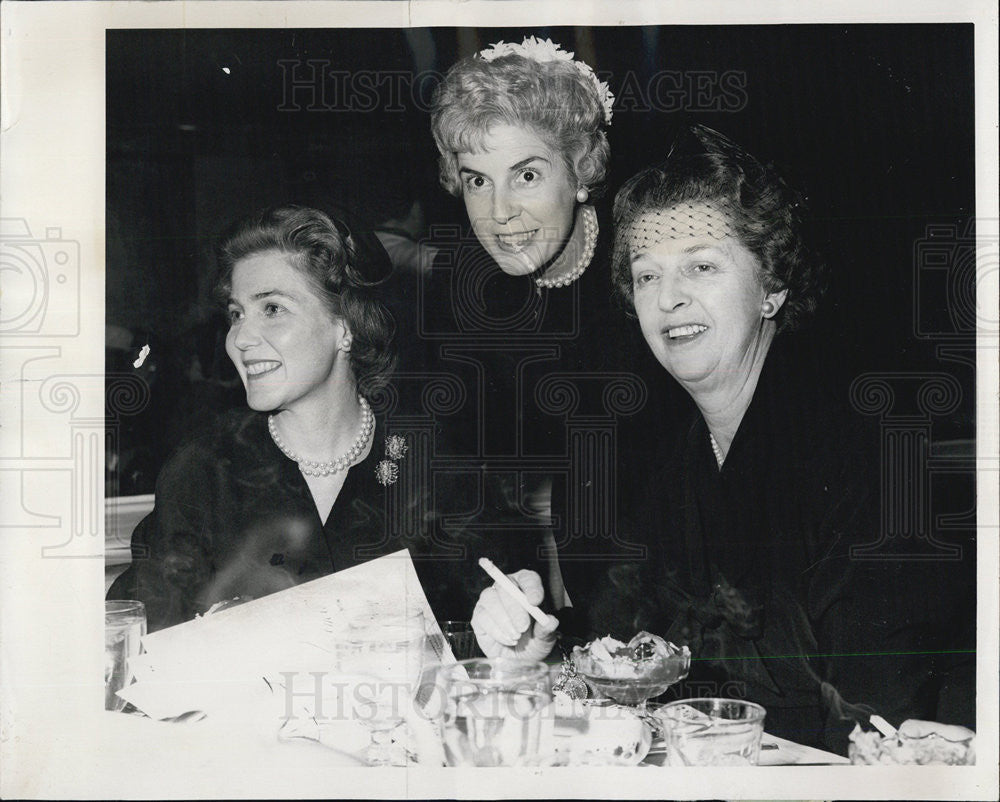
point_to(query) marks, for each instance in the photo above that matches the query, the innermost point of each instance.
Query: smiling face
(283, 339)
(520, 198)
(699, 299)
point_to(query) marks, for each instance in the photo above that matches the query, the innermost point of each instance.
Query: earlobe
(345, 341)
(772, 303)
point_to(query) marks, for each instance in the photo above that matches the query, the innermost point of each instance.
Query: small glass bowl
(654, 676)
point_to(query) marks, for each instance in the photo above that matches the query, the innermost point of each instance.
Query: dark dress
(752, 566)
(550, 388)
(234, 518)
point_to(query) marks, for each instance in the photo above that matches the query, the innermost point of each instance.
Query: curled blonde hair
(552, 98)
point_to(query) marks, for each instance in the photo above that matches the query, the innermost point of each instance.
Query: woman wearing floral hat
(521, 133)
(519, 305)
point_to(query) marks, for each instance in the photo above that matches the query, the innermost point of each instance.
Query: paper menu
(213, 662)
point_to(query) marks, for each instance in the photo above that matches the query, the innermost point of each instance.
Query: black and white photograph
(606, 396)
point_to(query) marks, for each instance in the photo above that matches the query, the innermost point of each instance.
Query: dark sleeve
(608, 568)
(623, 582)
(422, 309)
(879, 644)
(895, 634)
(172, 547)
(612, 582)
(465, 515)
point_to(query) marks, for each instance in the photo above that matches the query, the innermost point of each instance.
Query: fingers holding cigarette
(503, 617)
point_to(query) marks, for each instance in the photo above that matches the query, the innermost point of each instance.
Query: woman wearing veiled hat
(761, 523)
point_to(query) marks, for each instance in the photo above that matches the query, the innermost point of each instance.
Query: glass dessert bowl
(634, 672)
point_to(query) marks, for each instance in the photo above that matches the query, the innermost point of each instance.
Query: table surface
(68, 751)
(172, 741)
(775, 751)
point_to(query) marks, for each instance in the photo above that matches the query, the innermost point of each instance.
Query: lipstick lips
(260, 367)
(515, 243)
(687, 331)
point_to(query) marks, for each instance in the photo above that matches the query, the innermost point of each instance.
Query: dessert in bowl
(630, 673)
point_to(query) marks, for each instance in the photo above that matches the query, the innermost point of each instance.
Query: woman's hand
(504, 629)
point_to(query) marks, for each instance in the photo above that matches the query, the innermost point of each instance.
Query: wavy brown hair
(323, 250)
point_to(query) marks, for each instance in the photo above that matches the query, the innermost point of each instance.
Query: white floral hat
(543, 50)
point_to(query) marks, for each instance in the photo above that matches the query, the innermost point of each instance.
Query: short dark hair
(703, 166)
(323, 250)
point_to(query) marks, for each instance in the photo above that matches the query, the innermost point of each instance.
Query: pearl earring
(345, 344)
(582, 194)
(768, 309)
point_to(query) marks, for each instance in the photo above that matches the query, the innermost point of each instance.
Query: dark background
(873, 122)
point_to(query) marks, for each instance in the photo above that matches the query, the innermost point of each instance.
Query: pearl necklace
(590, 230)
(716, 450)
(310, 468)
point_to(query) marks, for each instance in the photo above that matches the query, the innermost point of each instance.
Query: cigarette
(513, 591)
(882, 726)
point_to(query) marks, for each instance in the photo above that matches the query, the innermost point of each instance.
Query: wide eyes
(524, 178)
(528, 176)
(475, 183)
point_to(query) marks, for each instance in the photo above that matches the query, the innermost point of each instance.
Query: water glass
(493, 711)
(712, 732)
(382, 656)
(461, 638)
(124, 627)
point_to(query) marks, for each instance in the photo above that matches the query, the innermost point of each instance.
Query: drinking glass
(461, 638)
(493, 711)
(124, 627)
(711, 732)
(383, 655)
